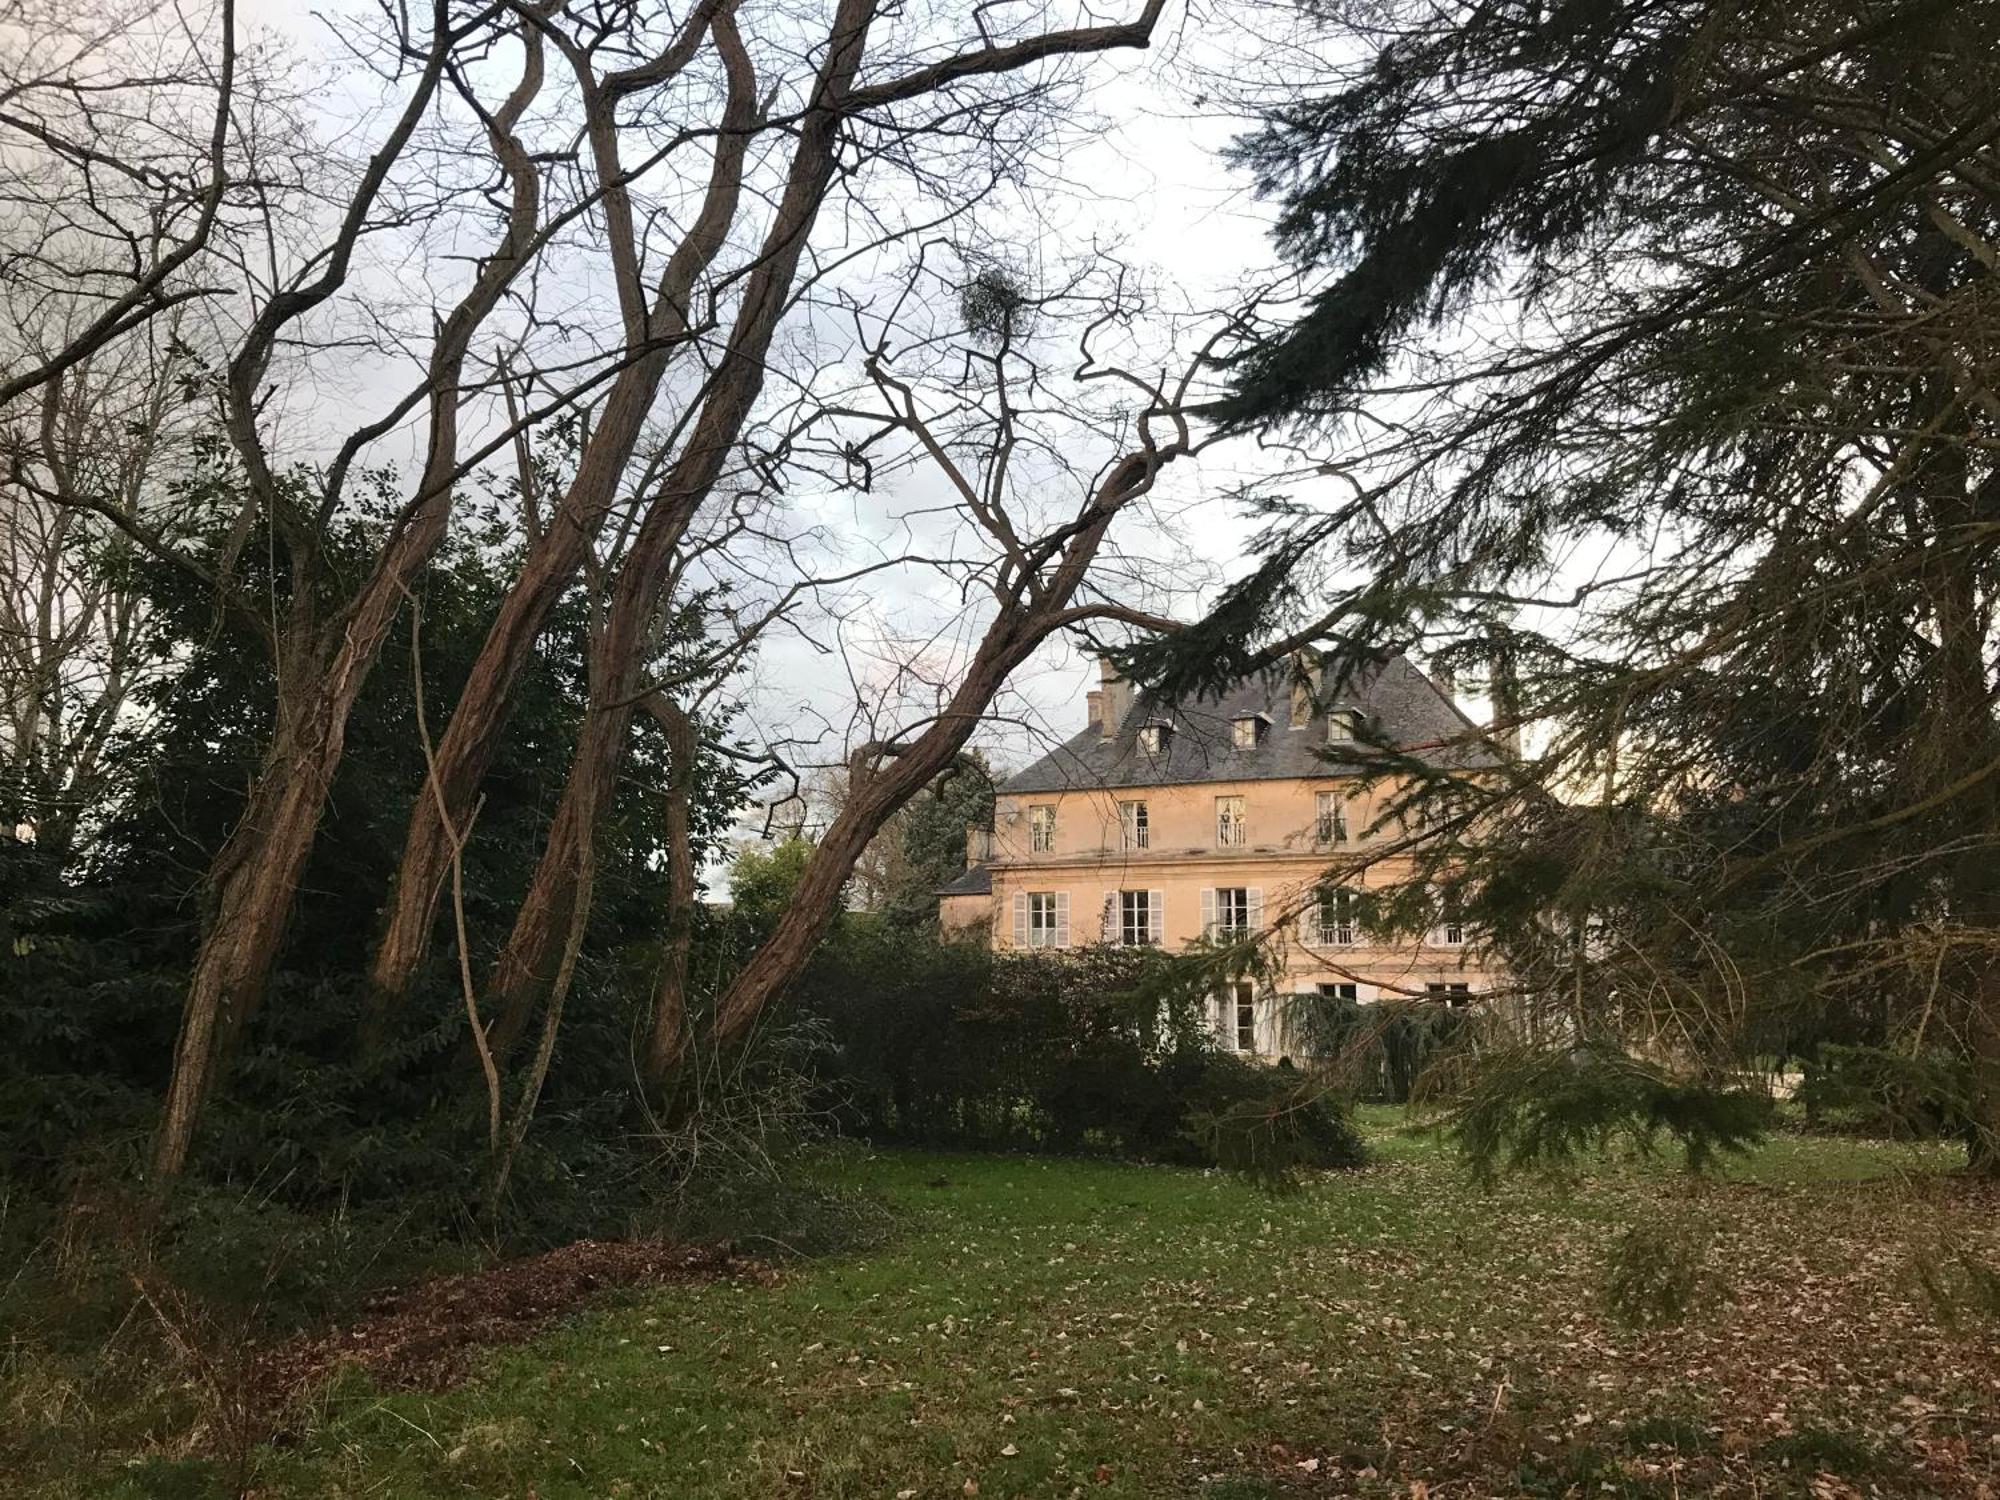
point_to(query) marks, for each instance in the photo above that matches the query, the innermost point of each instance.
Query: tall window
(1232, 909)
(1336, 918)
(1044, 920)
(1042, 827)
(1138, 919)
(1330, 818)
(1132, 821)
(1342, 991)
(1230, 827)
(1239, 1017)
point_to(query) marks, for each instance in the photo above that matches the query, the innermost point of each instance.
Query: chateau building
(1161, 822)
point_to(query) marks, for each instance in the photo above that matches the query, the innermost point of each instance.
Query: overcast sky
(1147, 179)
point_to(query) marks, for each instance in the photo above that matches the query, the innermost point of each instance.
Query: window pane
(1135, 918)
(1232, 909)
(1330, 820)
(1041, 827)
(1132, 816)
(1229, 821)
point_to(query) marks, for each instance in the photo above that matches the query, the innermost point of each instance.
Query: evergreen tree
(1688, 321)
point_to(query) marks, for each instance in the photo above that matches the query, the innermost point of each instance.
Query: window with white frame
(1153, 738)
(1232, 909)
(1450, 994)
(1139, 918)
(1336, 918)
(1042, 827)
(1134, 826)
(1343, 726)
(1231, 827)
(1340, 990)
(1330, 818)
(1237, 1017)
(1045, 919)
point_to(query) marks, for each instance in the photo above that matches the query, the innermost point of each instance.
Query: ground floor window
(1047, 919)
(1239, 1017)
(1451, 994)
(1340, 991)
(1138, 918)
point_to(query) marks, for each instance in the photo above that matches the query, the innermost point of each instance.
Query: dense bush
(1094, 1049)
(1378, 1051)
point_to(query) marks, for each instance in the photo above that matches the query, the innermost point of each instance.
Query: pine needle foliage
(1536, 1108)
(1658, 338)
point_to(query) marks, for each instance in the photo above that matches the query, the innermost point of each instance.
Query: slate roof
(977, 881)
(1402, 704)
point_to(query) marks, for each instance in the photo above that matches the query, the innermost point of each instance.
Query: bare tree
(139, 189)
(114, 437)
(116, 164)
(839, 103)
(1010, 441)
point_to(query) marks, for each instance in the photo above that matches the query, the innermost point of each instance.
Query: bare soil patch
(423, 1337)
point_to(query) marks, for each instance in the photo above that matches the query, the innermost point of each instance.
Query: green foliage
(1377, 1051)
(1530, 1108)
(1270, 1126)
(1932, 1093)
(1093, 1049)
(1755, 814)
(1657, 1272)
(931, 833)
(96, 948)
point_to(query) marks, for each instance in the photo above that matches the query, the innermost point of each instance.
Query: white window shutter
(1208, 913)
(1156, 915)
(1256, 899)
(1062, 919)
(1020, 919)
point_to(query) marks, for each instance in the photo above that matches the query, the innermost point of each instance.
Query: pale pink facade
(1166, 862)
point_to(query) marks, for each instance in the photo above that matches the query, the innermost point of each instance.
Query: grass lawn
(1051, 1328)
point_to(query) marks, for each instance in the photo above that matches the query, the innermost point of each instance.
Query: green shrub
(1093, 1049)
(1270, 1125)
(1657, 1273)
(1378, 1051)
(1529, 1108)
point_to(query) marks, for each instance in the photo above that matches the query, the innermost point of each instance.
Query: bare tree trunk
(466, 749)
(724, 407)
(1037, 610)
(256, 875)
(669, 1029)
(618, 658)
(255, 878)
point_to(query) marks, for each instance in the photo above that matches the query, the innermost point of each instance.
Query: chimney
(978, 845)
(1114, 698)
(1093, 706)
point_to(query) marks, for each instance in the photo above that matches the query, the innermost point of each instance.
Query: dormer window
(1247, 732)
(1155, 737)
(1343, 726)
